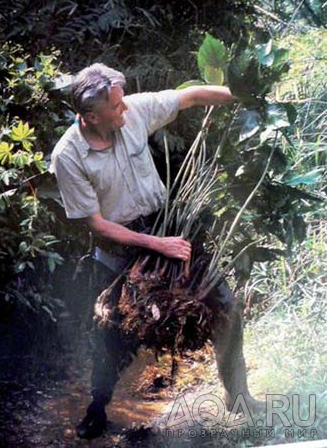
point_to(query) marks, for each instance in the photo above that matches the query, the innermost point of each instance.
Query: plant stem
(213, 278)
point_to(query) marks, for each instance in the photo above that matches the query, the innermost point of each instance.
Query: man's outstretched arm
(170, 246)
(204, 96)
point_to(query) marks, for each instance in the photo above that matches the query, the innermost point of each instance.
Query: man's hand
(170, 246)
(173, 247)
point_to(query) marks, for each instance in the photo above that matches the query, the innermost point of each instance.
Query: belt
(142, 223)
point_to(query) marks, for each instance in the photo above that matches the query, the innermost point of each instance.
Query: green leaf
(6, 195)
(263, 50)
(7, 175)
(23, 247)
(310, 178)
(27, 145)
(39, 162)
(277, 117)
(213, 75)
(38, 156)
(5, 152)
(253, 70)
(20, 131)
(40, 165)
(20, 297)
(281, 56)
(21, 159)
(54, 259)
(245, 125)
(239, 84)
(212, 52)
(265, 54)
(251, 124)
(23, 133)
(268, 61)
(191, 83)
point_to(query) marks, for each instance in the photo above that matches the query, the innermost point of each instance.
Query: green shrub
(31, 118)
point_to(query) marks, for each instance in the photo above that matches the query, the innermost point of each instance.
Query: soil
(44, 412)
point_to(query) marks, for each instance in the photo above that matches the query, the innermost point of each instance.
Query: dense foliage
(258, 188)
(150, 42)
(284, 16)
(30, 230)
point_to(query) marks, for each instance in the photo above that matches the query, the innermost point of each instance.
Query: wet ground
(44, 413)
(41, 411)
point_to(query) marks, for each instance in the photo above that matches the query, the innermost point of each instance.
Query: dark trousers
(112, 349)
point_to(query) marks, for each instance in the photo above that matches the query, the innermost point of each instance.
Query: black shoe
(93, 425)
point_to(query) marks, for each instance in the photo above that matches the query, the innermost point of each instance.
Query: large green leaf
(310, 178)
(245, 125)
(236, 83)
(254, 69)
(270, 55)
(212, 52)
(265, 54)
(277, 117)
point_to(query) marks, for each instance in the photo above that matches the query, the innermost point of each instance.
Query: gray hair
(91, 83)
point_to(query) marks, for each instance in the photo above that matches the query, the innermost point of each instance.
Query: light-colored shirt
(121, 182)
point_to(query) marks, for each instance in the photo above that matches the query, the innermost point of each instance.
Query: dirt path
(50, 422)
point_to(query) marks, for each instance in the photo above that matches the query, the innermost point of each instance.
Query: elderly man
(106, 175)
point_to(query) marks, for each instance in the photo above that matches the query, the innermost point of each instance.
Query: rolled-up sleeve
(156, 108)
(79, 197)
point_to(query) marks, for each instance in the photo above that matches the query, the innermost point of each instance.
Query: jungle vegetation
(269, 147)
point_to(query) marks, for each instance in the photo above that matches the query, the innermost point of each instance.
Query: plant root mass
(164, 314)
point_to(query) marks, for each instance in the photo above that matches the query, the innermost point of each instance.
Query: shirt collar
(81, 143)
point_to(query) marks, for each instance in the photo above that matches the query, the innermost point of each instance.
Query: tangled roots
(163, 316)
